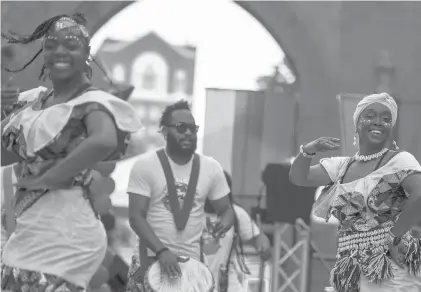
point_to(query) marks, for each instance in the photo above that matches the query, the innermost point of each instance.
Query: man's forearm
(145, 233)
(227, 216)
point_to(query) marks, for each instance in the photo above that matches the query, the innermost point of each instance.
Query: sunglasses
(182, 128)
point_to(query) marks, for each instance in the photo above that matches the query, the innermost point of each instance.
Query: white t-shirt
(4, 233)
(217, 252)
(147, 178)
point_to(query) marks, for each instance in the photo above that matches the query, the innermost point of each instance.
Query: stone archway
(331, 46)
(290, 23)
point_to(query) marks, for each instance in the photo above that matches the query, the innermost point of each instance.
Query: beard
(175, 147)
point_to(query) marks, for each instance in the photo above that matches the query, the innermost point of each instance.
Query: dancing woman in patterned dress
(376, 196)
(60, 135)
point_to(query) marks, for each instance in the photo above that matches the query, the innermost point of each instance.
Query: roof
(113, 46)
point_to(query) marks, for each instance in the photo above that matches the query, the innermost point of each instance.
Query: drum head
(196, 277)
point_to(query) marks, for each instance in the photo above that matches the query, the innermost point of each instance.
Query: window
(149, 76)
(119, 74)
(180, 81)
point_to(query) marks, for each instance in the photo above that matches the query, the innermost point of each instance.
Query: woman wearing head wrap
(60, 135)
(376, 196)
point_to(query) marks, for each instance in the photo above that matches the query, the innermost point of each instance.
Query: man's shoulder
(208, 160)
(147, 159)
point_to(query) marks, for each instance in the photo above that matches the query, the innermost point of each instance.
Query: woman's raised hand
(321, 145)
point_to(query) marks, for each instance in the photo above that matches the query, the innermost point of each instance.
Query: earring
(355, 140)
(396, 145)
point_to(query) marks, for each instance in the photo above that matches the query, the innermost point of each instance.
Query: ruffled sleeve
(403, 165)
(333, 165)
(25, 99)
(124, 116)
(39, 132)
(32, 94)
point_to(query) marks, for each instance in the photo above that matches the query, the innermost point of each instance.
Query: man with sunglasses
(170, 184)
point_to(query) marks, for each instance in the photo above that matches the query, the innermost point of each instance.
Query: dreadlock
(39, 32)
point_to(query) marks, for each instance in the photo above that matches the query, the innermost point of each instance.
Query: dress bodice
(367, 208)
(41, 137)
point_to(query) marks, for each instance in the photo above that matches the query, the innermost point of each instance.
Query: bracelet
(159, 252)
(306, 154)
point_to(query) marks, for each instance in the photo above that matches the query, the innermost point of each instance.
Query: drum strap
(234, 242)
(202, 256)
(180, 216)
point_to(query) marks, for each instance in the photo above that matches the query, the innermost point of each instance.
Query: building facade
(161, 74)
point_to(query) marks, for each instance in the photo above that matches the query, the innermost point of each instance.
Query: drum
(196, 277)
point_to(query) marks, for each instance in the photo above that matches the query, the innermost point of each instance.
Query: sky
(233, 48)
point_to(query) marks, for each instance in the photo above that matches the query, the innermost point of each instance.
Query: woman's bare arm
(302, 174)
(105, 168)
(101, 141)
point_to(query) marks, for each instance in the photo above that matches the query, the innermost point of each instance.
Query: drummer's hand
(223, 224)
(263, 247)
(169, 264)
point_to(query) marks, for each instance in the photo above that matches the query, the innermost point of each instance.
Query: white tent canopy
(119, 197)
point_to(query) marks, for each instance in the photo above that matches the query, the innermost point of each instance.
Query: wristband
(159, 252)
(306, 154)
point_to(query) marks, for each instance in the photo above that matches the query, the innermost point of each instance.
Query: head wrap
(382, 98)
(69, 23)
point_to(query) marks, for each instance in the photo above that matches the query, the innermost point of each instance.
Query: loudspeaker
(286, 202)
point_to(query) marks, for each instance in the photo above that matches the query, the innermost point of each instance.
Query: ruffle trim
(345, 275)
(413, 256)
(78, 113)
(322, 206)
(124, 118)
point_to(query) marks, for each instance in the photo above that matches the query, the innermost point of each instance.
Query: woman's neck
(368, 150)
(63, 87)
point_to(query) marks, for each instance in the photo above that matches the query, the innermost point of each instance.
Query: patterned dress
(367, 209)
(59, 240)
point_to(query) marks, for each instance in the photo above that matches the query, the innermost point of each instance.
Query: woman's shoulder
(99, 95)
(334, 162)
(32, 94)
(24, 100)
(403, 159)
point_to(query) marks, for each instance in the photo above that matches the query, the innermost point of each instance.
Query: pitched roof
(113, 45)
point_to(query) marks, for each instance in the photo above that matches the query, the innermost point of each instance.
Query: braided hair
(39, 32)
